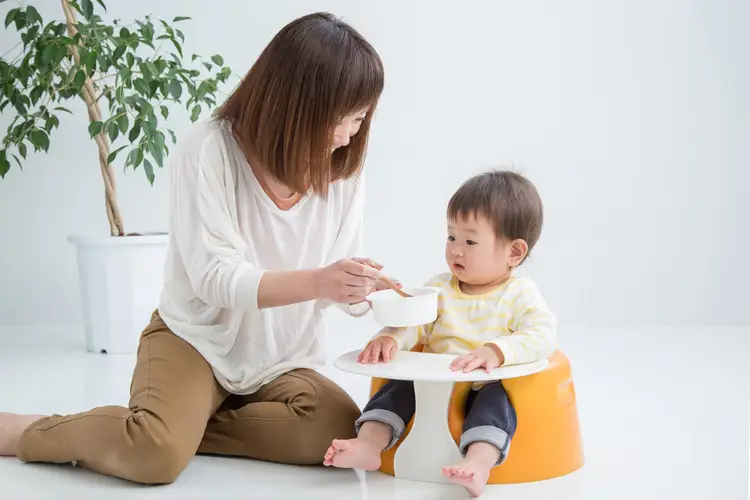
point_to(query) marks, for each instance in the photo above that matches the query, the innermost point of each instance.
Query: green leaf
(40, 140)
(36, 94)
(48, 53)
(32, 15)
(104, 63)
(136, 157)
(172, 134)
(154, 85)
(135, 131)
(156, 151)
(62, 108)
(95, 128)
(131, 60)
(4, 164)
(20, 20)
(19, 106)
(175, 88)
(113, 130)
(102, 4)
(61, 54)
(142, 87)
(114, 153)
(164, 88)
(22, 149)
(149, 169)
(30, 35)
(122, 122)
(196, 113)
(89, 61)
(18, 162)
(149, 125)
(165, 112)
(177, 46)
(80, 79)
(52, 122)
(218, 60)
(9, 18)
(180, 18)
(152, 69)
(119, 51)
(88, 8)
(161, 65)
(147, 31)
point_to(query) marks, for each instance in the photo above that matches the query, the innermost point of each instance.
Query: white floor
(664, 414)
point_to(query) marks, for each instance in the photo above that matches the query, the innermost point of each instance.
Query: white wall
(630, 116)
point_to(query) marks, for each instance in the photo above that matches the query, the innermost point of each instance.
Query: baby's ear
(518, 251)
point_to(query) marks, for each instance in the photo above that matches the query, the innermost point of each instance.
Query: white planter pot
(121, 279)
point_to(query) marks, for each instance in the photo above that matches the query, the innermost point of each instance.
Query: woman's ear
(518, 251)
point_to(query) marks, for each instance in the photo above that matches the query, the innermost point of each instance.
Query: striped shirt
(513, 316)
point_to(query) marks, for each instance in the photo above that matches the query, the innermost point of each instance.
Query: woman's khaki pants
(177, 409)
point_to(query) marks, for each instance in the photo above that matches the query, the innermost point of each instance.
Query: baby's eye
(451, 238)
(470, 242)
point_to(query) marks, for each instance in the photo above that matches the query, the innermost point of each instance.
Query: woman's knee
(330, 415)
(157, 459)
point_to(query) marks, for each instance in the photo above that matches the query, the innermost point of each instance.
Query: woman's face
(347, 128)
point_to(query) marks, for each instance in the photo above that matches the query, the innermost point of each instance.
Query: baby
(486, 316)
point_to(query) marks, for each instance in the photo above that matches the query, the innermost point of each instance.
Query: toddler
(487, 317)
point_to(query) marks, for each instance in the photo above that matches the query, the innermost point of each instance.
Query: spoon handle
(393, 287)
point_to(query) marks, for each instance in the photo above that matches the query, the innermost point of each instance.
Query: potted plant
(129, 76)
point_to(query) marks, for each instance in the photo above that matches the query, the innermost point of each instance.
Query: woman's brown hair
(313, 73)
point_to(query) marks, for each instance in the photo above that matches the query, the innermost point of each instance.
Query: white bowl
(391, 309)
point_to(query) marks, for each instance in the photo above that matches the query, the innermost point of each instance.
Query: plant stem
(95, 115)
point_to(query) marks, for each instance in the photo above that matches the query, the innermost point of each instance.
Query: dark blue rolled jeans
(490, 416)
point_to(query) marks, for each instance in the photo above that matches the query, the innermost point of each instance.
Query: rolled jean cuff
(385, 417)
(486, 434)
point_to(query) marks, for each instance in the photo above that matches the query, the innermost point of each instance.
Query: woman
(267, 206)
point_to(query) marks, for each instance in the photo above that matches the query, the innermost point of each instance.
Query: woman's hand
(380, 285)
(348, 281)
(382, 348)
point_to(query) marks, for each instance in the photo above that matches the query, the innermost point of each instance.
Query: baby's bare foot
(468, 474)
(353, 454)
(11, 428)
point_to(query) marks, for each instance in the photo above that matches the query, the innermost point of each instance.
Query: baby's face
(474, 253)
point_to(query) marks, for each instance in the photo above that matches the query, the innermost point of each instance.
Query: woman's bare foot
(353, 454)
(12, 426)
(474, 470)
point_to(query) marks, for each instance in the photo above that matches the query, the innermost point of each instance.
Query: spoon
(394, 287)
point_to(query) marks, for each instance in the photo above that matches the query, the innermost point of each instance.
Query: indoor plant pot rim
(142, 239)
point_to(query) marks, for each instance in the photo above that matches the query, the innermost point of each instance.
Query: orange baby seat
(547, 442)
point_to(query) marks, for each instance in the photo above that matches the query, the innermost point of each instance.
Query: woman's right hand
(348, 281)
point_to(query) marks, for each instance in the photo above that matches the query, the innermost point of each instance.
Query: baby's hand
(381, 348)
(484, 357)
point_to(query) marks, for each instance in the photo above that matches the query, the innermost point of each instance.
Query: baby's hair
(508, 200)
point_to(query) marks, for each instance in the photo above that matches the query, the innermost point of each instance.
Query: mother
(266, 225)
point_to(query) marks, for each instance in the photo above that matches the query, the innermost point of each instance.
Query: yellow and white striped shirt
(513, 316)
